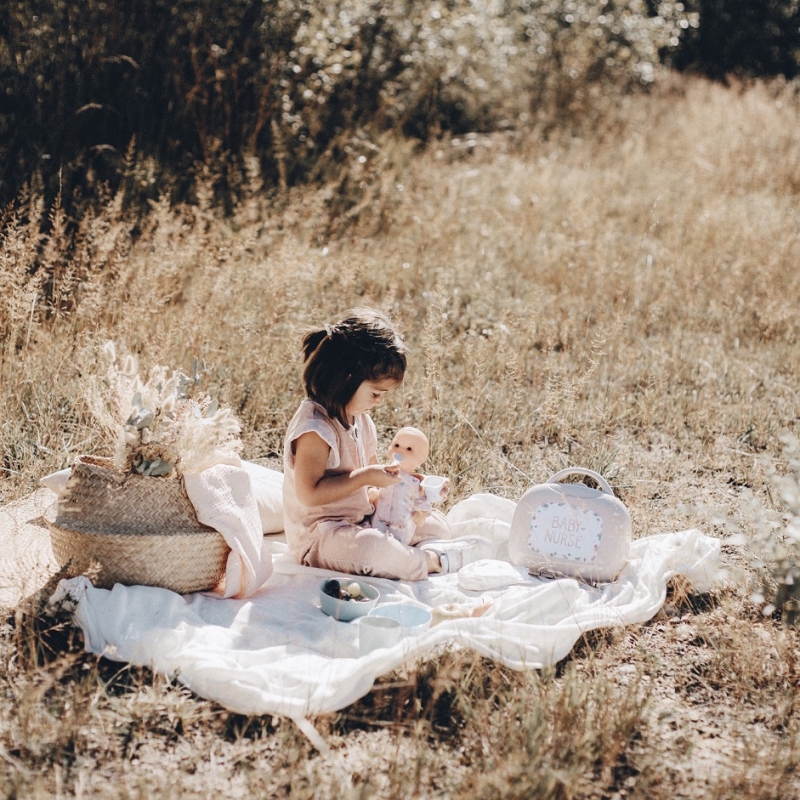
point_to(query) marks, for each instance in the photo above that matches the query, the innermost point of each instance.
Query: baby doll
(401, 507)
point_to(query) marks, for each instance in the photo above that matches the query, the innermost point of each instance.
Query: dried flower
(160, 431)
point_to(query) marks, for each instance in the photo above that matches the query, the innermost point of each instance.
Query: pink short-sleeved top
(350, 449)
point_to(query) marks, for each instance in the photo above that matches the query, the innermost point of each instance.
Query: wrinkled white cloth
(223, 499)
(490, 573)
(277, 653)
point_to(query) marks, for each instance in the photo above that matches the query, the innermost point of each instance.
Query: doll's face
(412, 445)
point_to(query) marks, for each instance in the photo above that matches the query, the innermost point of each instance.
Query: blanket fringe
(312, 734)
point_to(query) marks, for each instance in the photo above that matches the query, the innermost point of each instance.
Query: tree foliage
(144, 95)
(743, 37)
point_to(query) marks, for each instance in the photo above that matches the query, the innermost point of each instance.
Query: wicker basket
(133, 530)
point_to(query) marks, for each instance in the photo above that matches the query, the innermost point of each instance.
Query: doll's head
(412, 445)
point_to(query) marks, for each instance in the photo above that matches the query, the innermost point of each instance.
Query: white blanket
(223, 498)
(277, 653)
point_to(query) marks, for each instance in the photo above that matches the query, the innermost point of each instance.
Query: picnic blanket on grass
(277, 653)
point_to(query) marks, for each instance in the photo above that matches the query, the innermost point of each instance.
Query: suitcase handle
(595, 476)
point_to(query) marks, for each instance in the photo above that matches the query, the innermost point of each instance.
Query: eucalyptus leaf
(141, 418)
(159, 468)
(184, 382)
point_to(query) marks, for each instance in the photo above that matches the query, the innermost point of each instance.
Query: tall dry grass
(626, 301)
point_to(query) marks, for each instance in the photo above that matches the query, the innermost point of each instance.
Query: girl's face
(369, 395)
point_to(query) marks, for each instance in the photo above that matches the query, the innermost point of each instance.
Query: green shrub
(144, 94)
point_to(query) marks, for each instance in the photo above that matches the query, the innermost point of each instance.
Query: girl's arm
(317, 487)
(373, 493)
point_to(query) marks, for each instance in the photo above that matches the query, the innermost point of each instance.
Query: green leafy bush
(147, 93)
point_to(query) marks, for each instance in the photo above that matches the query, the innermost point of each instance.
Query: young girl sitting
(330, 460)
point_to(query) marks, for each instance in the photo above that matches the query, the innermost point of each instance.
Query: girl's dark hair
(339, 358)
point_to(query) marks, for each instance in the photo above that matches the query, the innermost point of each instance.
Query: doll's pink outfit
(339, 535)
(396, 505)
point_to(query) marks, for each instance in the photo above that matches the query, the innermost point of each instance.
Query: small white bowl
(377, 632)
(345, 610)
(413, 619)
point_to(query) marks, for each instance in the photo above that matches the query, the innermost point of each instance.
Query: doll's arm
(420, 516)
(421, 508)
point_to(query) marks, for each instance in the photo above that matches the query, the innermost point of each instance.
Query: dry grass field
(625, 301)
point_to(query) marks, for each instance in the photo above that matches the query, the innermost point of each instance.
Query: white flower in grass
(108, 354)
(129, 367)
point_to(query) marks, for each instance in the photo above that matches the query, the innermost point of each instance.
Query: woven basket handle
(595, 476)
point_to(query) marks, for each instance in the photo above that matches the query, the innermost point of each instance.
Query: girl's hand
(377, 475)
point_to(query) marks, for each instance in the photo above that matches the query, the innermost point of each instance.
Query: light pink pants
(361, 550)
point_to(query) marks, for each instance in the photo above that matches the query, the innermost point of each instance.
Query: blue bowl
(345, 610)
(413, 619)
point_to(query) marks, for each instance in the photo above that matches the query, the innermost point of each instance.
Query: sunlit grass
(626, 301)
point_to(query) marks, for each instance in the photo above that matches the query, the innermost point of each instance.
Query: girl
(330, 460)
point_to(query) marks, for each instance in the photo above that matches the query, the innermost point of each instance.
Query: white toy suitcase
(570, 529)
